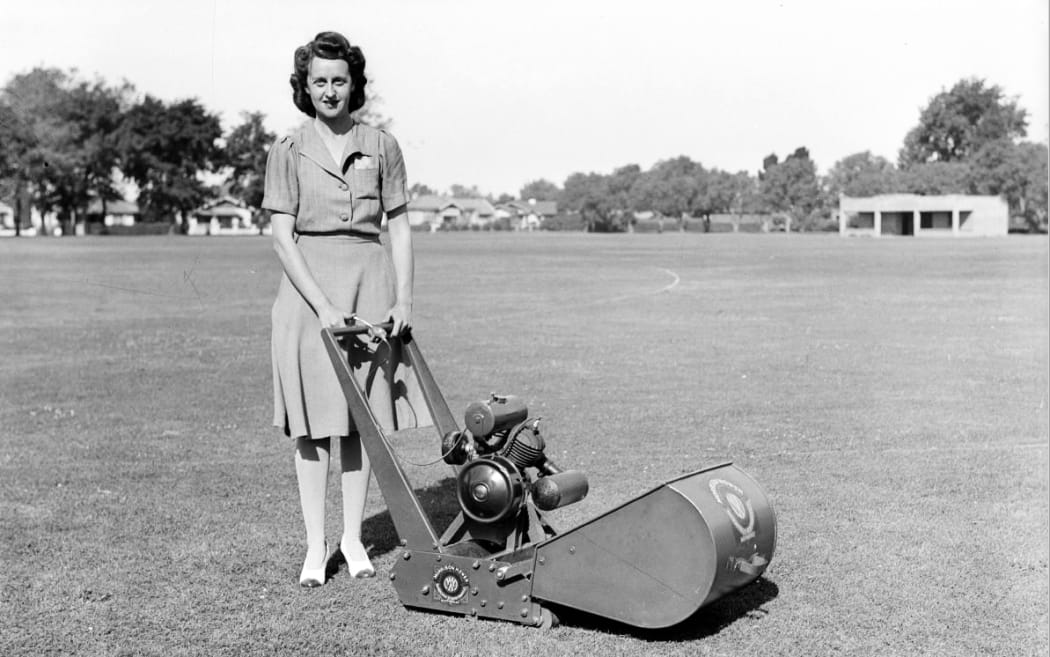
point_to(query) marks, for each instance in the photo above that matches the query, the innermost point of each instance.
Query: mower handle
(358, 325)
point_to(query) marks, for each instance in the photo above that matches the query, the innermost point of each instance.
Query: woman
(327, 187)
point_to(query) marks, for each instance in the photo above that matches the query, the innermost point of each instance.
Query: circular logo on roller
(452, 584)
(737, 507)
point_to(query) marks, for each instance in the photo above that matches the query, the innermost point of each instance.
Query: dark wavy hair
(328, 45)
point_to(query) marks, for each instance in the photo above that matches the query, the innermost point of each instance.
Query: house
(913, 215)
(435, 212)
(118, 214)
(526, 215)
(224, 216)
(34, 222)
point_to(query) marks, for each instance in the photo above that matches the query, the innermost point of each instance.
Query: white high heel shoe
(358, 568)
(313, 577)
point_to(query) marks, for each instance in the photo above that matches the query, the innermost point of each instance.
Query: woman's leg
(312, 458)
(356, 472)
(373, 375)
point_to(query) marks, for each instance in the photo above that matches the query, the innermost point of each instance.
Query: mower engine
(505, 474)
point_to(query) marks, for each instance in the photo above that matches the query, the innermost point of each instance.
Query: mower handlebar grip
(359, 327)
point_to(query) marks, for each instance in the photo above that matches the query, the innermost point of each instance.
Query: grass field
(891, 396)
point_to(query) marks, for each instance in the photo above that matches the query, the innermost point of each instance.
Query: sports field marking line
(674, 283)
(623, 297)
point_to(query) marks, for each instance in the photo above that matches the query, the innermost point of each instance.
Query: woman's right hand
(332, 317)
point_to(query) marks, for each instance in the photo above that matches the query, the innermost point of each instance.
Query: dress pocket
(366, 183)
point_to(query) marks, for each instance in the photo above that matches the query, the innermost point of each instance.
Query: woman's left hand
(401, 316)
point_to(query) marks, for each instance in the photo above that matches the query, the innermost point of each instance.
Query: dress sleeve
(393, 179)
(281, 192)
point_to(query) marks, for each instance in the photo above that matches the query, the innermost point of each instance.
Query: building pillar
(916, 222)
(878, 223)
(955, 222)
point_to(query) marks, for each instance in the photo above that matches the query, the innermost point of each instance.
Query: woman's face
(330, 86)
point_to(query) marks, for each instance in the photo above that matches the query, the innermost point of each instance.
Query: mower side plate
(653, 561)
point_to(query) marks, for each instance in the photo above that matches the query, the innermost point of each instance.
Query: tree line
(968, 140)
(66, 141)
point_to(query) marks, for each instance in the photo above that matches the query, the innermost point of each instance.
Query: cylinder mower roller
(651, 562)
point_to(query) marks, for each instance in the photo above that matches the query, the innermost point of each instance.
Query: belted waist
(341, 234)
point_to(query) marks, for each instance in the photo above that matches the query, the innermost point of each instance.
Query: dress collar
(312, 146)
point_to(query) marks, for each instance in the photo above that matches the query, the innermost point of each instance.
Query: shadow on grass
(438, 501)
(743, 603)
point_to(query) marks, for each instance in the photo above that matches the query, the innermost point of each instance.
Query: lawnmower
(650, 562)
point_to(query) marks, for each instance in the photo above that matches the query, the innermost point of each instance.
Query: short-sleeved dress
(338, 209)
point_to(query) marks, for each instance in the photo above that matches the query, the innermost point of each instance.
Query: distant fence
(716, 223)
(142, 228)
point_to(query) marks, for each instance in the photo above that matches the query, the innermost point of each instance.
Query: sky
(496, 94)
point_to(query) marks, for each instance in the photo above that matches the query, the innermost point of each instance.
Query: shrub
(564, 222)
(694, 225)
(649, 226)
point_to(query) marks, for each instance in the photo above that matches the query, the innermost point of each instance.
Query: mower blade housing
(653, 561)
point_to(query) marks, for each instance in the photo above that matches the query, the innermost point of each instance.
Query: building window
(935, 220)
(861, 220)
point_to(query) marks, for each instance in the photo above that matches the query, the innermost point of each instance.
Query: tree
(791, 188)
(164, 148)
(935, 178)
(671, 187)
(69, 130)
(95, 112)
(1017, 172)
(245, 153)
(958, 122)
(861, 174)
(34, 102)
(462, 191)
(370, 114)
(588, 194)
(732, 193)
(17, 139)
(621, 187)
(541, 190)
(419, 189)
(967, 142)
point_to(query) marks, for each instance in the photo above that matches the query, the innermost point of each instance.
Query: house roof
(437, 203)
(118, 206)
(224, 202)
(543, 208)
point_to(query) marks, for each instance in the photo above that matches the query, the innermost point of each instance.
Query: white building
(225, 216)
(949, 215)
(7, 222)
